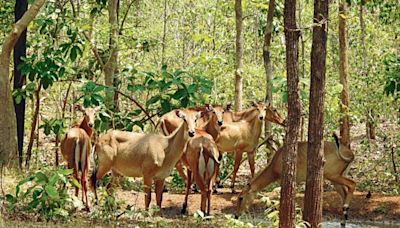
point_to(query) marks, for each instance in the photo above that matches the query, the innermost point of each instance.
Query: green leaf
(53, 179)
(153, 100)
(179, 94)
(192, 88)
(65, 172)
(165, 105)
(76, 183)
(51, 191)
(73, 53)
(10, 198)
(41, 178)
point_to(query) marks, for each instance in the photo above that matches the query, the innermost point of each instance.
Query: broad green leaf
(51, 191)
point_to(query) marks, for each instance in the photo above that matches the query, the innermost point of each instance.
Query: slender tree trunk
(288, 193)
(239, 56)
(8, 126)
(111, 65)
(164, 37)
(369, 116)
(33, 126)
(315, 153)
(267, 60)
(343, 72)
(19, 79)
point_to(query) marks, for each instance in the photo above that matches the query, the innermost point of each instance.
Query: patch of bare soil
(377, 208)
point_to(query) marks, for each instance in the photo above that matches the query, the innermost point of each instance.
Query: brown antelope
(212, 116)
(202, 159)
(337, 159)
(76, 148)
(242, 136)
(149, 155)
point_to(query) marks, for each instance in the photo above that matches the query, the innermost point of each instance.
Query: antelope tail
(94, 171)
(77, 156)
(202, 163)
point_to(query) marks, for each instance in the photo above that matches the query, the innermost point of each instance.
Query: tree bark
(20, 79)
(164, 37)
(267, 60)
(369, 116)
(343, 73)
(288, 183)
(33, 126)
(111, 65)
(315, 153)
(239, 56)
(8, 126)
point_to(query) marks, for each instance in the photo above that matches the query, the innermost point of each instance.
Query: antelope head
(261, 109)
(244, 200)
(218, 115)
(273, 115)
(190, 118)
(89, 114)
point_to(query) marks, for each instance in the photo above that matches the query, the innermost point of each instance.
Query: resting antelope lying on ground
(76, 148)
(202, 159)
(210, 121)
(242, 136)
(149, 155)
(337, 159)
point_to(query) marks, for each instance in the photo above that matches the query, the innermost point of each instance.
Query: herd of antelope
(194, 138)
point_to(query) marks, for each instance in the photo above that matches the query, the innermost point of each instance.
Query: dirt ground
(377, 208)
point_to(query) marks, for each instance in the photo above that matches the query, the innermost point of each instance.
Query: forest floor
(377, 208)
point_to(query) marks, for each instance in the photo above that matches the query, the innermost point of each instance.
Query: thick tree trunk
(343, 72)
(19, 79)
(267, 60)
(315, 153)
(8, 126)
(288, 193)
(111, 65)
(239, 56)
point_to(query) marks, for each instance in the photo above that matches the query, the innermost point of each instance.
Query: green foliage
(170, 89)
(392, 75)
(43, 193)
(56, 126)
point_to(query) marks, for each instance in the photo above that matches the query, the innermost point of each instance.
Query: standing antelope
(242, 136)
(152, 156)
(212, 116)
(337, 159)
(76, 148)
(202, 159)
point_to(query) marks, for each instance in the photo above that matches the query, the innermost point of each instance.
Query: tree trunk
(110, 66)
(369, 116)
(267, 60)
(343, 72)
(33, 126)
(8, 126)
(19, 78)
(288, 182)
(164, 37)
(238, 56)
(315, 153)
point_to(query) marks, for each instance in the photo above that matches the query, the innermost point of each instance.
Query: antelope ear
(228, 107)
(97, 108)
(179, 113)
(78, 107)
(200, 114)
(254, 103)
(337, 139)
(209, 107)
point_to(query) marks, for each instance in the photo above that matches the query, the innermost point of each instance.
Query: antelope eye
(240, 198)
(275, 110)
